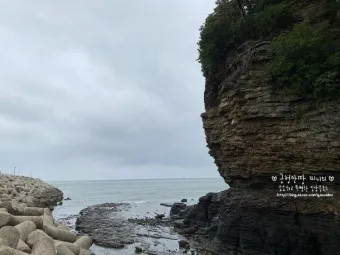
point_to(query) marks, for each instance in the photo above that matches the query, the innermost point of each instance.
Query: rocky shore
(26, 222)
(103, 224)
(109, 227)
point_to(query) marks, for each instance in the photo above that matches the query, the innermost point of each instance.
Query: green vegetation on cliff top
(304, 35)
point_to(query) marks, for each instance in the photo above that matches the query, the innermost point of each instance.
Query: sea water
(144, 196)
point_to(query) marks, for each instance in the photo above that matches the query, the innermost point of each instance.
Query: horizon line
(141, 179)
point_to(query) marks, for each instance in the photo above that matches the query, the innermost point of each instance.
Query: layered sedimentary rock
(26, 222)
(255, 133)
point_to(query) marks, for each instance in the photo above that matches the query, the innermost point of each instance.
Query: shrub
(327, 86)
(225, 28)
(305, 59)
(272, 17)
(219, 34)
(306, 54)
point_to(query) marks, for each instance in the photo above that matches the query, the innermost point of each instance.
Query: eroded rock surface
(108, 227)
(104, 225)
(254, 133)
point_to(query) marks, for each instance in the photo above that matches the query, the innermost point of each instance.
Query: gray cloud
(102, 89)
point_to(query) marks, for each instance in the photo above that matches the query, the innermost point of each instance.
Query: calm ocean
(144, 195)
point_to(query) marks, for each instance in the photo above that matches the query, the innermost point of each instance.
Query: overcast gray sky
(104, 89)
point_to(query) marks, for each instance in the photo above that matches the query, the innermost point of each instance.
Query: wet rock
(160, 216)
(202, 215)
(190, 230)
(184, 200)
(103, 224)
(152, 222)
(151, 252)
(184, 244)
(176, 217)
(177, 208)
(68, 221)
(108, 227)
(179, 223)
(166, 204)
(156, 242)
(138, 249)
(145, 246)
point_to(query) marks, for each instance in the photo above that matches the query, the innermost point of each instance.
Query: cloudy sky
(105, 89)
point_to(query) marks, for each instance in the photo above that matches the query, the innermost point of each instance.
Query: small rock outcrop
(177, 209)
(200, 219)
(98, 221)
(138, 249)
(183, 244)
(166, 204)
(159, 216)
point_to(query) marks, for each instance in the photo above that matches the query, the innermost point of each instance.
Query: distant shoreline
(151, 179)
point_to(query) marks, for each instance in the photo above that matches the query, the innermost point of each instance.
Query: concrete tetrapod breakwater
(26, 222)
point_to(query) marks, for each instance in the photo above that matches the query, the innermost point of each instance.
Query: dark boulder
(177, 208)
(184, 244)
(166, 204)
(179, 224)
(138, 249)
(200, 219)
(160, 216)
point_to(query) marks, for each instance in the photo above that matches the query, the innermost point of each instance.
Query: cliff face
(254, 133)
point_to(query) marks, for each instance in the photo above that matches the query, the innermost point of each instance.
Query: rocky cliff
(255, 134)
